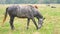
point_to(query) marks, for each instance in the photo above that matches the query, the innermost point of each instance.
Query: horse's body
(28, 12)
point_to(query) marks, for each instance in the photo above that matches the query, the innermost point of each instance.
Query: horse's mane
(33, 6)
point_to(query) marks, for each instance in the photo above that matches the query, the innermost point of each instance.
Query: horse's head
(40, 22)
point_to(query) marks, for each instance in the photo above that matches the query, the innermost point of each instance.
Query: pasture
(51, 24)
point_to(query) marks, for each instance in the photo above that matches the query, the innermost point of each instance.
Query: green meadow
(51, 24)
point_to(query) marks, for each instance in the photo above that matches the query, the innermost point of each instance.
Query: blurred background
(29, 1)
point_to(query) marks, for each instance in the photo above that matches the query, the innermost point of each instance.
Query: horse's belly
(22, 15)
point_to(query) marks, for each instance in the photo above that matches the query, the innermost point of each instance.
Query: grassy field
(51, 24)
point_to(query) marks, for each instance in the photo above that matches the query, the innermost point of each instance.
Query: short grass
(51, 24)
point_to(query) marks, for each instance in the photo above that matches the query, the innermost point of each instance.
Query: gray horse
(28, 12)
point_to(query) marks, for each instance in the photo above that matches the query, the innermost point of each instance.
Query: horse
(28, 12)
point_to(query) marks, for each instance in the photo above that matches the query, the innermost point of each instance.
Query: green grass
(51, 24)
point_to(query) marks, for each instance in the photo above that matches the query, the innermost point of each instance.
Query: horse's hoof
(27, 28)
(12, 28)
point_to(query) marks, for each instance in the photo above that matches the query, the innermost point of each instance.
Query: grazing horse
(28, 12)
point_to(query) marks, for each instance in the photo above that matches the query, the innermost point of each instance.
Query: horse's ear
(36, 7)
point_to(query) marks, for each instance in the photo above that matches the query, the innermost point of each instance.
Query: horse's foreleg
(11, 22)
(28, 23)
(34, 22)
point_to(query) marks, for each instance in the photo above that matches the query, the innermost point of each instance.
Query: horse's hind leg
(28, 23)
(11, 22)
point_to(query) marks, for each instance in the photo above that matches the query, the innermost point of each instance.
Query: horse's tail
(5, 15)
